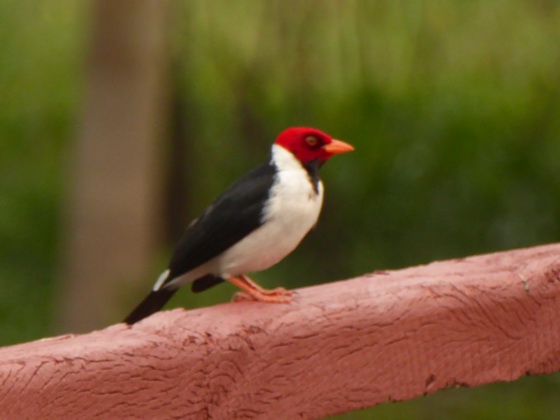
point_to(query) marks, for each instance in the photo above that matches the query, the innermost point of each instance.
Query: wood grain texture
(341, 346)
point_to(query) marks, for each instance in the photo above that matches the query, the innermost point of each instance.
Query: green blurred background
(453, 107)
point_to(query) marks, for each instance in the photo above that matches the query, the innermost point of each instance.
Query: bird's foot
(278, 291)
(246, 297)
(256, 293)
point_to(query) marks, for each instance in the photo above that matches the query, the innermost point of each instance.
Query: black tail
(152, 303)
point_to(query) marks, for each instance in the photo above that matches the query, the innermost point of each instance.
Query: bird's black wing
(233, 215)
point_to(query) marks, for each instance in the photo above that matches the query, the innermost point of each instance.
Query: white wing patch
(161, 279)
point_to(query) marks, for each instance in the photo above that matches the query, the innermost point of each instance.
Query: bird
(252, 225)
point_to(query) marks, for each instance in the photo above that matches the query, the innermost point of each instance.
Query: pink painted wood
(340, 346)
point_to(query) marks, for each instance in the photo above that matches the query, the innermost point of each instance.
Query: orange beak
(337, 146)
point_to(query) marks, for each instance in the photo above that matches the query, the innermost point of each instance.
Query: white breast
(293, 209)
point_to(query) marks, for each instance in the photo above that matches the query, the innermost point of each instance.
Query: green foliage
(452, 107)
(39, 79)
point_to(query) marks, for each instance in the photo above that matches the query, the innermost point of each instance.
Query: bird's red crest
(309, 144)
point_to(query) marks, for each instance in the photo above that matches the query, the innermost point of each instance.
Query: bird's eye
(312, 141)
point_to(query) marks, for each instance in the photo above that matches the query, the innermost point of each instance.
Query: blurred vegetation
(452, 106)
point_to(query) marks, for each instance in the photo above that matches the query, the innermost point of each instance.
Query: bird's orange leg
(254, 292)
(270, 292)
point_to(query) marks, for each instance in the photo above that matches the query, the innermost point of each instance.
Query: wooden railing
(386, 336)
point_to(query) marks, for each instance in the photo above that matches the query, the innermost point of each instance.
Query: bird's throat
(312, 169)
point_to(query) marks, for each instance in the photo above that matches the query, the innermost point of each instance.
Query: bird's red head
(309, 144)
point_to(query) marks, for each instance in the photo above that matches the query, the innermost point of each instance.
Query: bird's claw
(278, 291)
(241, 297)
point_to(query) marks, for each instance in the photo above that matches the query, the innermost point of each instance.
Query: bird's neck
(284, 160)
